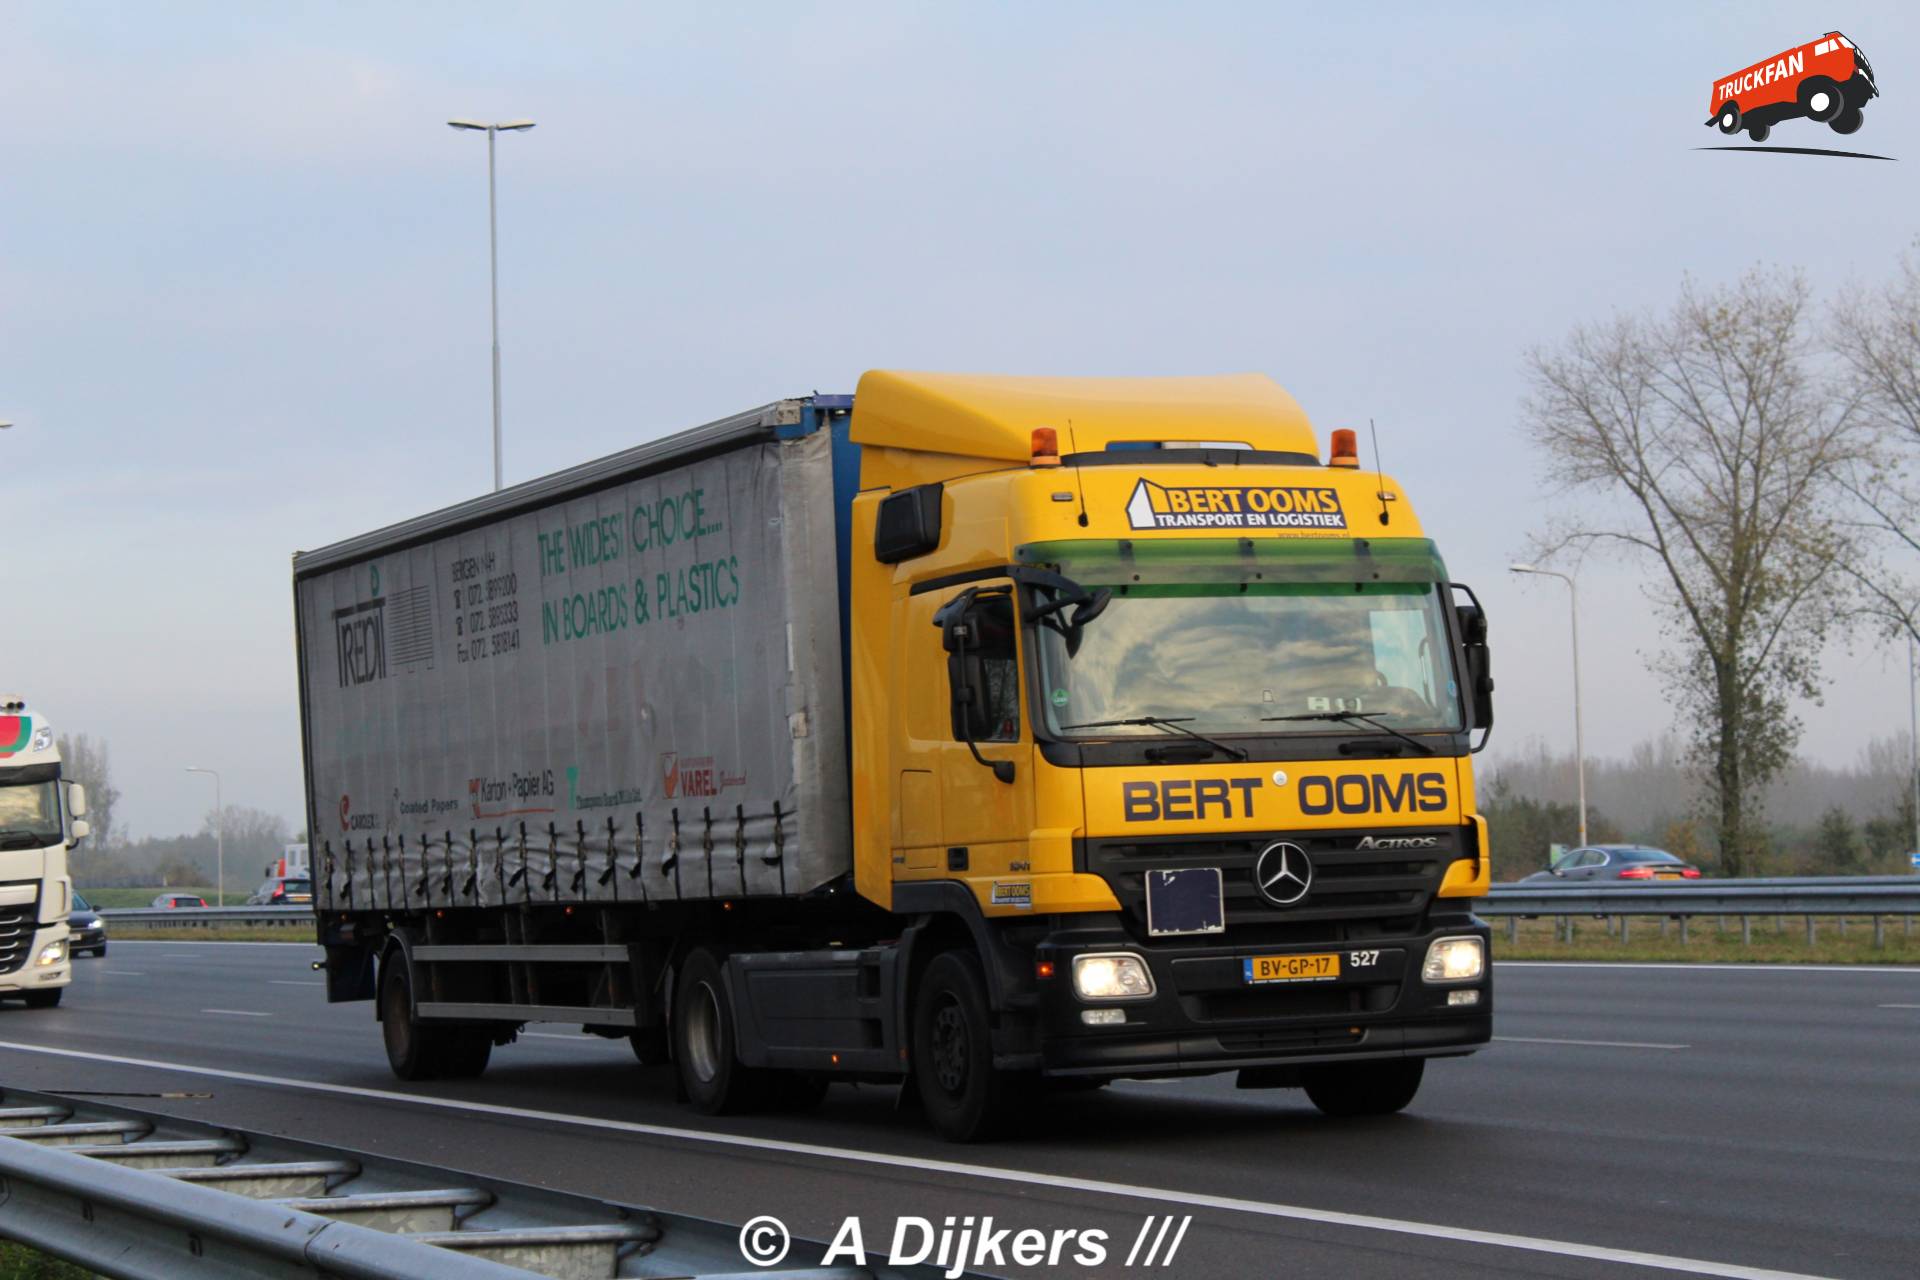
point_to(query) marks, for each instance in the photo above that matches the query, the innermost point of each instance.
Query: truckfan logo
(1159, 506)
(1828, 81)
(15, 733)
(1283, 873)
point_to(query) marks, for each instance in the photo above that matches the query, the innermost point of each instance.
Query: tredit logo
(1160, 506)
(396, 626)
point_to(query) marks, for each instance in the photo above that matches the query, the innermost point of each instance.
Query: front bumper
(1204, 1016)
(29, 976)
(88, 938)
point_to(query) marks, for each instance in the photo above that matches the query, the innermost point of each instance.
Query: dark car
(283, 891)
(88, 929)
(1616, 862)
(169, 901)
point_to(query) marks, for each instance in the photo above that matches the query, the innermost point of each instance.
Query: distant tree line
(1825, 821)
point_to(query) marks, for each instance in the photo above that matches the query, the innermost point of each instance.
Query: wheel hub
(950, 1048)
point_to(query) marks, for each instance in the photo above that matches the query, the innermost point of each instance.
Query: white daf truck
(41, 817)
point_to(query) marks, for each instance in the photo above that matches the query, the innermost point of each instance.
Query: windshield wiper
(1175, 724)
(1360, 717)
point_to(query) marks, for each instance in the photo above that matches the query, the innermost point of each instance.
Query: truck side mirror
(959, 620)
(81, 830)
(1473, 640)
(76, 799)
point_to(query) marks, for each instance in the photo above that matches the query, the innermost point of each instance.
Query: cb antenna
(1379, 473)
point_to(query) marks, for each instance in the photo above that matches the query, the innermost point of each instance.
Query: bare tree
(1877, 334)
(85, 760)
(1716, 451)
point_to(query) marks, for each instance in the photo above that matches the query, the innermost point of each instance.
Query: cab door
(958, 819)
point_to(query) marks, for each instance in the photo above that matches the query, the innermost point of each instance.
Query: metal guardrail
(1807, 896)
(210, 917)
(142, 1196)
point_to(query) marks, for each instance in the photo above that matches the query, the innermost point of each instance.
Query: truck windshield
(29, 815)
(1225, 634)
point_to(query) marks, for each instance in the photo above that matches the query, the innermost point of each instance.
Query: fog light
(1105, 1017)
(52, 953)
(1463, 997)
(1119, 976)
(1454, 960)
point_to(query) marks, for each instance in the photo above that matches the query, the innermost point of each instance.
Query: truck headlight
(1454, 960)
(1119, 976)
(52, 953)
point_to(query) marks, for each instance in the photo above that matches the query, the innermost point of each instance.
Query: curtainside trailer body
(977, 734)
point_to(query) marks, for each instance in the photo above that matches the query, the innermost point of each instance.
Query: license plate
(1314, 968)
(1674, 876)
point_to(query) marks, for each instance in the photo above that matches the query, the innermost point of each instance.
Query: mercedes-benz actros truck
(983, 735)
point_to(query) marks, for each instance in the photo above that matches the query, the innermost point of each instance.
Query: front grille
(1290, 1038)
(1363, 887)
(17, 926)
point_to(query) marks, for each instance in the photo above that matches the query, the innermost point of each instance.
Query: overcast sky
(243, 277)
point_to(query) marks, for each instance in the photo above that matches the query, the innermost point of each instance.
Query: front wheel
(1821, 99)
(964, 1097)
(46, 998)
(1364, 1088)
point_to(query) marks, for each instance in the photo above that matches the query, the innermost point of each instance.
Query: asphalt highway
(1724, 1121)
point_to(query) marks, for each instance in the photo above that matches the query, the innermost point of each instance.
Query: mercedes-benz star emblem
(1283, 873)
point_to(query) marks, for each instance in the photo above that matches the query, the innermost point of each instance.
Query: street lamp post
(493, 266)
(1579, 738)
(219, 837)
(1913, 731)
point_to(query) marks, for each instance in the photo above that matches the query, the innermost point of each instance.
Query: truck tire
(1848, 121)
(650, 1046)
(1758, 131)
(1821, 99)
(415, 1050)
(45, 999)
(1364, 1088)
(965, 1099)
(1729, 118)
(464, 1051)
(711, 1074)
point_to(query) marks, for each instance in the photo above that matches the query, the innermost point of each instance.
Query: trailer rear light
(1046, 447)
(1636, 873)
(1345, 449)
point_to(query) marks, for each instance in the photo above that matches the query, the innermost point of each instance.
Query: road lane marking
(125, 973)
(1911, 970)
(1592, 1044)
(1900, 1006)
(295, 982)
(239, 1013)
(985, 1173)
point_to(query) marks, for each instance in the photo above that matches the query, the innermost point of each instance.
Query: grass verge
(1774, 940)
(18, 1262)
(123, 932)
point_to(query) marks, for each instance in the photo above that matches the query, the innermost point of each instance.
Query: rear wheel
(424, 1051)
(703, 1040)
(1758, 132)
(1729, 120)
(1364, 1088)
(650, 1046)
(45, 999)
(964, 1097)
(1848, 121)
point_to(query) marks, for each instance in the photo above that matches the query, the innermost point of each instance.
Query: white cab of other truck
(42, 816)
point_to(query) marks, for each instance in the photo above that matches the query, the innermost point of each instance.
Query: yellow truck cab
(975, 734)
(1177, 719)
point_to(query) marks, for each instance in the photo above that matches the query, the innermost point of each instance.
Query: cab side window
(993, 661)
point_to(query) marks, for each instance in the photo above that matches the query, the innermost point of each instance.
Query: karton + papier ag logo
(1827, 81)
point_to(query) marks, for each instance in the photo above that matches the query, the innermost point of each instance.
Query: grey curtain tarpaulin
(632, 692)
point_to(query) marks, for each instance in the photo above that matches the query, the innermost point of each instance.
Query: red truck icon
(1828, 80)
